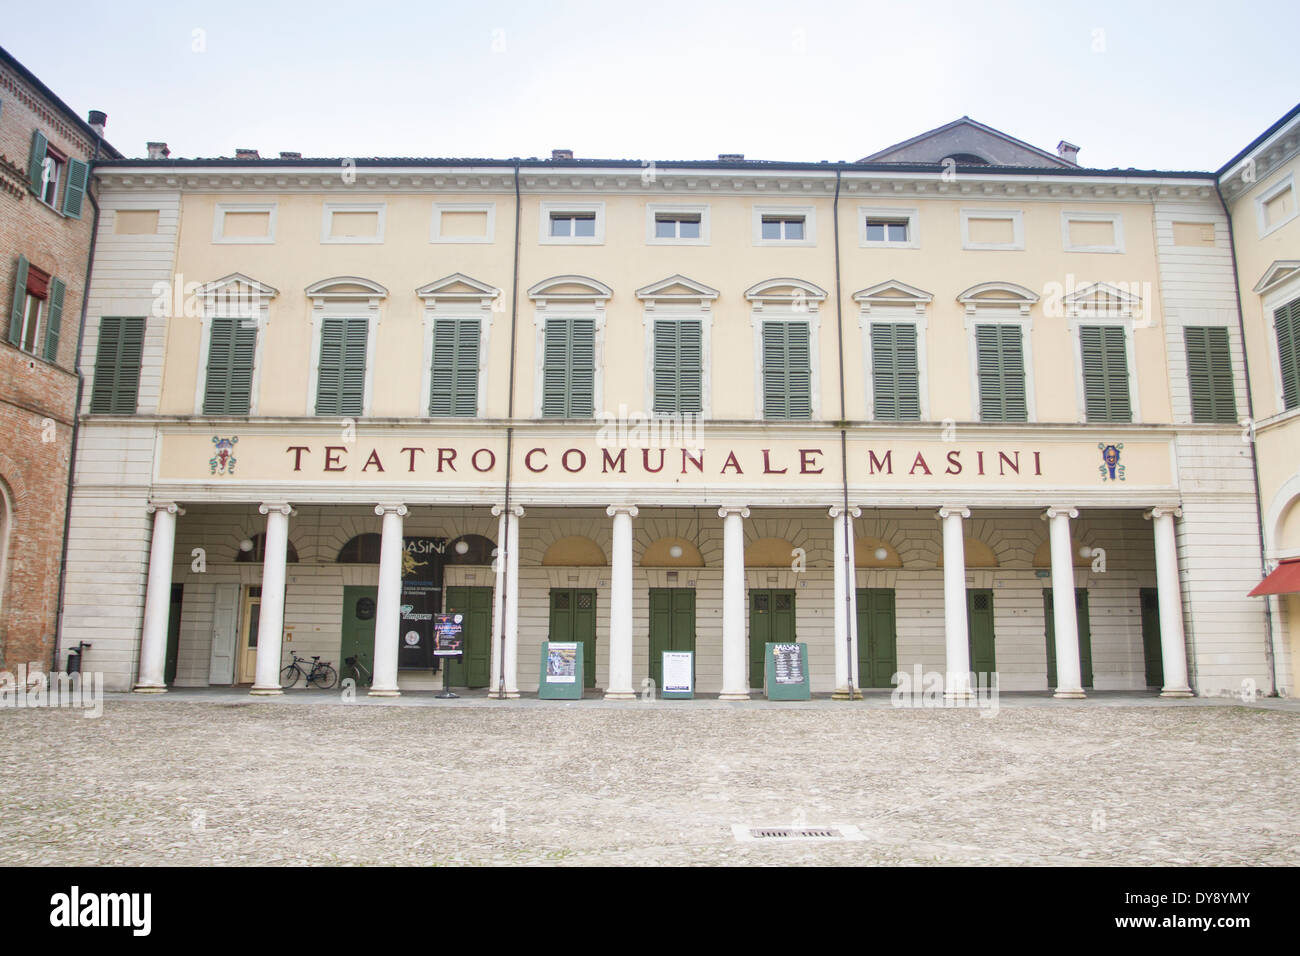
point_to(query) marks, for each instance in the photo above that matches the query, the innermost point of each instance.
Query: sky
(1181, 85)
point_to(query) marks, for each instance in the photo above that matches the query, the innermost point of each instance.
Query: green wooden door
(672, 626)
(877, 637)
(1155, 662)
(358, 629)
(173, 634)
(573, 618)
(771, 618)
(475, 604)
(979, 620)
(1085, 636)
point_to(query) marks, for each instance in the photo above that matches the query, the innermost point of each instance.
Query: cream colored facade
(596, 502)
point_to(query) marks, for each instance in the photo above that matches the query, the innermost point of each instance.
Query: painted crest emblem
(223, 462)
(1110, 468)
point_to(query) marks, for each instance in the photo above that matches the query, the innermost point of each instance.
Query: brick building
(46, 224)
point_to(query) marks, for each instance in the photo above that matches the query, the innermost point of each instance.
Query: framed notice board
(786, 672)
(679, 675)
(561, 673)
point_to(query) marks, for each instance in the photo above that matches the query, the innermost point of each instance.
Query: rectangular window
(783, 227)
(453, 379)
(341, 377)
(47, 168)
(463, 222)
(895, 381)
(1276, 206)
(573, 225)
(116, 386)
(1105, 373)
(787, 370)
(569, 368)
(228, 384)
(1000, 367)
(992, 229)
(1209, 374)
(1287, 321)
(36, 312)
(886, 230)
(353, 222)
(244, 223)
(1092, 232)
(678, 370)
(677, 225)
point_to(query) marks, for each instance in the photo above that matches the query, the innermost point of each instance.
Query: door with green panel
(672, 626)
(573, 618)
(771, 619)
(1085, 635)
(979, 623)
(358, 629)
(877, 637)
(475, 604)
(1151, 652)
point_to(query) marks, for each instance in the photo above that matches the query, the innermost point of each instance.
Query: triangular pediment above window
(1279, 272)
(893, 292)
(784, 291)
(346, 287)
(1006, 295)
(457, 287)
(238, 284)
(1101, 297)
(570, 288)
(676, 288)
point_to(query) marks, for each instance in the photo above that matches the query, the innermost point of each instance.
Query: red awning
(1285, 579)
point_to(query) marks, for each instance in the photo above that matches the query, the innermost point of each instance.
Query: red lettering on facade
(528, 459)
(582, 459)
(1038, 464)
(645, 460)
(410, 451)
(767, 465)
(979, 460)
(492, 459)
(885, 464)
(919, 463)
(1005, 461)
(697, 462)
(447, 456)
(297, 455)
(332, 458)
(614, 461)
(954, 463)
(373, 460)
(731, 463)
(806, 461)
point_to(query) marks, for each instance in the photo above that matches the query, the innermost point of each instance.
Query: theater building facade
(913, 413)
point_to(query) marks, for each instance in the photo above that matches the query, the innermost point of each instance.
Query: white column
(956, 636)
(734, 684)
(388, 603)
(845, 616)
(158, 598)
(270, 628)
(1069, 679)
(620, 605)
(505, 621)
(1173, 649)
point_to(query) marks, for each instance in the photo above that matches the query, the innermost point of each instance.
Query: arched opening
(362, 549)
(978, 554)
(770, 553)
(470, 549)
(672, 553)
(1043, 556)
(968, 159)
(869, 552)
(257, 553)
(574, 551)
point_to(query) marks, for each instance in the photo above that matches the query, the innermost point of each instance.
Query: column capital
(171, 507)
(1161, 511)
(960, 511)
(630, 510)
(837, 510)
(516, 510)
(266, 507)
(392, 507)
(1068, 511)
(742, 510)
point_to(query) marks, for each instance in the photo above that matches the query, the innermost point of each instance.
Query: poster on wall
(561, 671)
(421, 601)
(448, 635)
(679, 675)
(786, 672)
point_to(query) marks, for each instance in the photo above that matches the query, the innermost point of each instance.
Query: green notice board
(561, 673)
(679, 675)
(786, 672)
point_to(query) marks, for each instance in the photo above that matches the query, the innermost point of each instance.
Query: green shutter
(19, 303)
(1287, 321)
(78, 173)
(115, 389)
(569, 368)
(453, 379)
(228, 385)
(54, 319)
(341, 375)
(1000, 366)
(1209, 374)
(1105, 374)
(36, 162)
(678, 369)
(787, 370)
(894, 375)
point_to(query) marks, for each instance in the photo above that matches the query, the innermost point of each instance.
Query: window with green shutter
(1209, 374)
(1287, 322)
(228, 386)
(678, 368)
(895, 382)
(453, 377)
(1105, 373)
(1000, 367)
(341, 375)
(569, 368)
(116, 386)
(787, 370)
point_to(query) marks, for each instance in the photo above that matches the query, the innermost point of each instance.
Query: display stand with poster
(785, 674)
(679, 675)
(448, 641)
(561, 671)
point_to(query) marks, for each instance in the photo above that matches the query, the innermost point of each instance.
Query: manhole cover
(747, 834)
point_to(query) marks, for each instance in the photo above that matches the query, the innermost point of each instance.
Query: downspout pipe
(503, 546)
(847, 544)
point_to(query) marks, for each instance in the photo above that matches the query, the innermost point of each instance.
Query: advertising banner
(421, 601)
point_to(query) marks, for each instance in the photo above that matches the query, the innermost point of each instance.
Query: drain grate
(746, 834)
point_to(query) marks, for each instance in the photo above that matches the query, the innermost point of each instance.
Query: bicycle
(322, 675)
(359, 672)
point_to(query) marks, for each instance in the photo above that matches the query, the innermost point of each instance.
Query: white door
(225, 615)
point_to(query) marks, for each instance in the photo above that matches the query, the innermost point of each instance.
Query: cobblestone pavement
(222, 778)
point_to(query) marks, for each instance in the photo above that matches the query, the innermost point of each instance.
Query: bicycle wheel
(326, 677)
(289, 676)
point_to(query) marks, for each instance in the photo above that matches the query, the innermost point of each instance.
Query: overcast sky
(1166, 86)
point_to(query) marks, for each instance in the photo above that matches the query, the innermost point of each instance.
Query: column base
(380, 692)
(842, 693)
(148, 689)
(1069, 695)
(620, 695)
(266, 691)
(1184, 692)
(733, 695)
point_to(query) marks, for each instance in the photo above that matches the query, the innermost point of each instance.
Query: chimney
(246, 154)
(731, 157)
(98, 120)
(1068, 152)
(561, 154)
(284, 155)
(158, 150)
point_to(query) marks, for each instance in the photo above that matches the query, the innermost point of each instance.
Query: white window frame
(552, 208)
(914, 314)
(809, 214)
(1016, 216)
(219, 223)
(344, 305)
(327, 219)
(435, 226)
(212, 310)
(441, 305)
(1276, 297)
(993, 315)
(655, 209)
(28, 299)
(678, 312)
(912, 215)
(1078, 318)
(1287, 183)
(765, 313)
(55, 176)
(1114, 218)
(570, 310)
